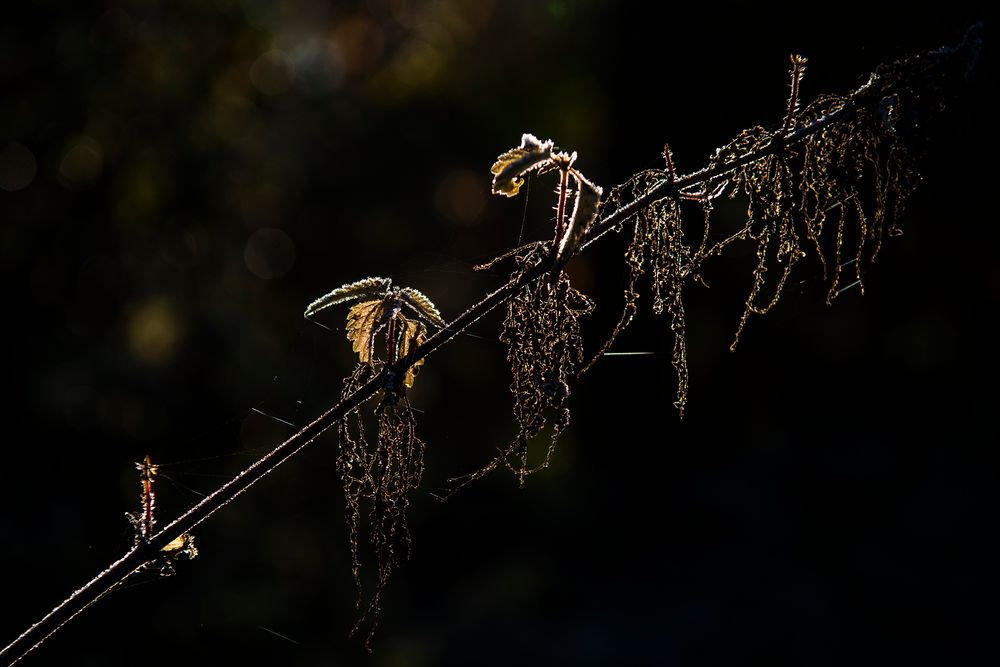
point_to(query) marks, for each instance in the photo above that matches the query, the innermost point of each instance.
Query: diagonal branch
(865, 97)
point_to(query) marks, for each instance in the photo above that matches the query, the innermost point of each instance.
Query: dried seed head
(544, 348)
(378, 478)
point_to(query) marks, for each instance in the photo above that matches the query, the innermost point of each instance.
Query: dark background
(180, 179)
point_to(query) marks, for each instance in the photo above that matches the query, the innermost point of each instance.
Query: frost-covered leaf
(370, 287)
(363, 321)
(509, 169)
(423, 306)
(588, 201)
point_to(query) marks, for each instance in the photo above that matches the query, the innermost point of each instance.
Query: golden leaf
(181, 546)
(510, 167)
(382, 314)
(412, 335)
(362, 322)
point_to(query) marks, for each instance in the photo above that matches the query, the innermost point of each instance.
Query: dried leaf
(510, 167)
(413, 334)
(363, 321)
(372, 287)
(588, 201)
(181, 546)
(419, 302)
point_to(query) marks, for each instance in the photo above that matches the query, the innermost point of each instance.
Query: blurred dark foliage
(180, 178)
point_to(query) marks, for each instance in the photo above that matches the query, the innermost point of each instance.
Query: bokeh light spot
(140, 190)
(81, 164)
(558, 9)
(272, 73)
(359, 43)
(154, 331)
(417, 64)
(262, 14)
(17, 167)
(269, 253)
(317, 64)
(460, 197)
(112, 31)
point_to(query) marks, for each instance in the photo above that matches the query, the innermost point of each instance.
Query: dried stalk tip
(668, 159)
(798, 71)
(144, 520)
(147, 498)
(511, 167)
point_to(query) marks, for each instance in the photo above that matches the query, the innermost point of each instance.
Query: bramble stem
(798, 69)
(561, 207)
(142, 553)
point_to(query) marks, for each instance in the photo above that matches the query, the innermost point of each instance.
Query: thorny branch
(147, 551)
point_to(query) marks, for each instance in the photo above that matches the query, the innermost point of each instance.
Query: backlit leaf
(588, 201)
(419, 302)
(413, 334)
(363, 321)
(181, 546)
(371, 287)
(509, 169)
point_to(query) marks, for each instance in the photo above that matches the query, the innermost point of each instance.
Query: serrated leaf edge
(423, 306)
(374, 287)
